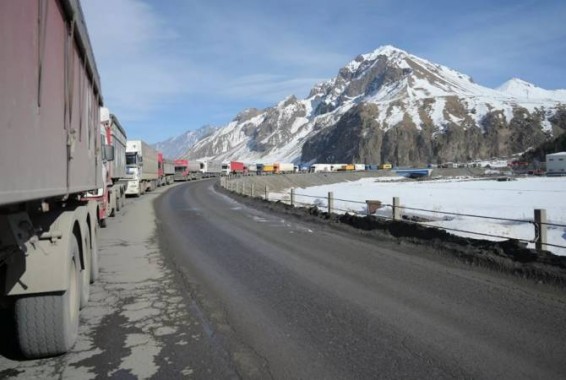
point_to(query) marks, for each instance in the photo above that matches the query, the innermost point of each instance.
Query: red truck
(233, 167)
(181, 170)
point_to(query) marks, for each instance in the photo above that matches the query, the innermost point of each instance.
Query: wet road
(287, 299)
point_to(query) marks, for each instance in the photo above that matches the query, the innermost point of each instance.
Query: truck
(284, 167)
(210, 168)
(111, 197)
(142, 171)
(181, 170)
(168, 171)
(51, 154)
(233, 167)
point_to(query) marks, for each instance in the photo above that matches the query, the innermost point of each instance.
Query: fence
(398, 212)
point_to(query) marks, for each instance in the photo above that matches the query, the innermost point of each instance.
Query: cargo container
(210, 168)
(233, 167)
(169, 171)
(283, 167)
(51, 154)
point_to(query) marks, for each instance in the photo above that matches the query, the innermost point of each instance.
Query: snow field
(513, 200)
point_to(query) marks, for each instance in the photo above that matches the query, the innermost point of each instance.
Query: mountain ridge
(389, 105)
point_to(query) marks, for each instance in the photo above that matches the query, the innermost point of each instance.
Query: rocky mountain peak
(390, 105)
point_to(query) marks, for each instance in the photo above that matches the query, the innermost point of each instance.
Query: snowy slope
(175, 147)
(381, 92)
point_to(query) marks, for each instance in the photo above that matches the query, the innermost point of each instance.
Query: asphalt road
(287, 299)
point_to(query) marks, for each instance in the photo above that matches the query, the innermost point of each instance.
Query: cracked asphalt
(140, 321)
(196, 285)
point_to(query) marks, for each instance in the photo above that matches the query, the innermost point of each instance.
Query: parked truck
(181, 170)
(142, 167)
(210, 168)
(233, 167)
(50, 151)
(111, 197)
(168, 171)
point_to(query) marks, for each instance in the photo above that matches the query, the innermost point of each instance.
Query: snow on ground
(514, 200)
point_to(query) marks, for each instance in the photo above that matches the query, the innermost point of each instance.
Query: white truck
(210, 168)
(51, 158)
(142, 169)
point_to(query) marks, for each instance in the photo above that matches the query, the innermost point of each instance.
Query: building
(556, 164)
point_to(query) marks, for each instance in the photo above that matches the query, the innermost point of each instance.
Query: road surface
(293, 300)
(203, 287)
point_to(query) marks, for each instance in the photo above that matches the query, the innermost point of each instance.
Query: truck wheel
(94, 256)
(85, 273)
(112, 204)
(118, 202)
(47, 324)
(103, 223)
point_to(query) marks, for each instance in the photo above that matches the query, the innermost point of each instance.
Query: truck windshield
(131, 158)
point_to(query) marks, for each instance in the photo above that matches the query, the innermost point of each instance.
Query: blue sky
(168, 66)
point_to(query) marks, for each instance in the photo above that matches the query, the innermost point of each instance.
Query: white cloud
(129, 41)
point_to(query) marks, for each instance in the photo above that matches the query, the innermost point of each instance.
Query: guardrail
(399, 212)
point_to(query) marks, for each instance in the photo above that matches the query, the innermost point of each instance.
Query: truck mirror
(107, 153)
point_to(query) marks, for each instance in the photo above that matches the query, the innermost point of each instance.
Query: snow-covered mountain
(392, 106)
(175, 147)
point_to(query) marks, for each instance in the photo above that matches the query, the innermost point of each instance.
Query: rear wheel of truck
(86, 272)
(94, 254)
(118, 202)
(48, 324)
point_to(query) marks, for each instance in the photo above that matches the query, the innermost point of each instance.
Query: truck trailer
(142, 169)
(233, 167)
(210, 168)
(111, 197)
(50, 151)
(168, 171)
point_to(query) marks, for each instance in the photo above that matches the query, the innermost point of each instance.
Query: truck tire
(47, 324)
(118, 202)
(86, 272)
(112, 204)
(94, 255)
(103, 223)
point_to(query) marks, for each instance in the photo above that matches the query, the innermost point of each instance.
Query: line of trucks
(67, 166)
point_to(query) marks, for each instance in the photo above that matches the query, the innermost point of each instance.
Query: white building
(556, 163)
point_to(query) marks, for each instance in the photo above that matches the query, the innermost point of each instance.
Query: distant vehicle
(283, 167)
(210, 168)
(181, 170)
(142, 167)
(413, 173)
(233, 167)
(166, 170)
(385, 166)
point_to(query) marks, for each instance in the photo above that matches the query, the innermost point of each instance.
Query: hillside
(392, 106)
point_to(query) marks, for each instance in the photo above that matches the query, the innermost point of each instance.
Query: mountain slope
(389, 105)
(175, 147)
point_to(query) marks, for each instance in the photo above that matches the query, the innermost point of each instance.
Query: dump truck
(51, 154)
